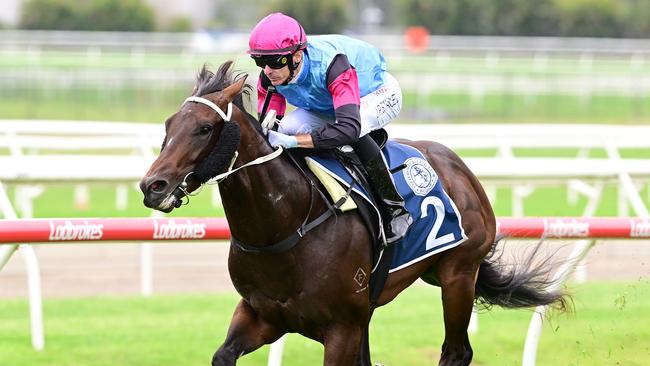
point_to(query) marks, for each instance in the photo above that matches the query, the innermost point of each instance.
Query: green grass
(141, 104)
(508, 108)
(608, 328)
(58, 201)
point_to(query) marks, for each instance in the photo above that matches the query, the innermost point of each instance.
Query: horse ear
(234, 89)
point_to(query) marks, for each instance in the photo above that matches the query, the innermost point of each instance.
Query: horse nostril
(158, 186)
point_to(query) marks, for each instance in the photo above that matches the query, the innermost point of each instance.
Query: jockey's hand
(277, 139)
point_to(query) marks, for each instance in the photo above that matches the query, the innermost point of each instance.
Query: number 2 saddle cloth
(437, 224)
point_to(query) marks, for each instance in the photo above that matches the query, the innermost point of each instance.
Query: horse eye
(205, 130)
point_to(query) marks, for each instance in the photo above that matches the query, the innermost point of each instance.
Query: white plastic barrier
(121, 230)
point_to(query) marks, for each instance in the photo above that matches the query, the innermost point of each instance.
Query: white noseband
(226, 117)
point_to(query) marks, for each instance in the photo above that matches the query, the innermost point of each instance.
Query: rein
(262, 159)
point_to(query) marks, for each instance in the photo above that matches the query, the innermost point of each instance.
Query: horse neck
(263, 203)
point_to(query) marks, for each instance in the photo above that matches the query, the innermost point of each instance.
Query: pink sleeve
(278, 102)
(345, 89)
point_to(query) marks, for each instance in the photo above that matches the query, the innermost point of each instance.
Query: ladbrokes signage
(565, 228)
(77, 231)
(640, 229)
(173, 230)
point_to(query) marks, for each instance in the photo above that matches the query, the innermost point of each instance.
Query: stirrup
(396, 229)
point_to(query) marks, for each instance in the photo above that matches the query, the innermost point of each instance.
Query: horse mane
(209, 82)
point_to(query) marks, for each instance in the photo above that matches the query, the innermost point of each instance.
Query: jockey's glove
(277, 139)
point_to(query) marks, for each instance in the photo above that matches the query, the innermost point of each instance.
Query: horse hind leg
(457, 284)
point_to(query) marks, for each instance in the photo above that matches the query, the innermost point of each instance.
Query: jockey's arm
(279, 104)
(305, 141)
(343, 85)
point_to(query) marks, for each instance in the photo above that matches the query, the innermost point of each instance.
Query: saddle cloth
(437, 225)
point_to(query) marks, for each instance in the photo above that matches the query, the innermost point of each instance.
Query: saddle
(437, 223)
(357, 196)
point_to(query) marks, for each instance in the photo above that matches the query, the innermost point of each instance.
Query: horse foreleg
(457, 285)
(247, 332)
(342, 343)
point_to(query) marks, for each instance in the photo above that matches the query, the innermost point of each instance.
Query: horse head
(201, 140)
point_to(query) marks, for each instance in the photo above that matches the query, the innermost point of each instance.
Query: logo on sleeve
(420, 176)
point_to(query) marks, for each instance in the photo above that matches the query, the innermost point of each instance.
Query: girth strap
(380, 274)
(286, 243)
(294, 238)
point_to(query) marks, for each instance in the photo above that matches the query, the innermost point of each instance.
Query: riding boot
(395, 217)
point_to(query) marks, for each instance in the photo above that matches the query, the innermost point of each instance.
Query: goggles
(272, 61)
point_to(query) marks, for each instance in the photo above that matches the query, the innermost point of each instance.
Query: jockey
(341, 91)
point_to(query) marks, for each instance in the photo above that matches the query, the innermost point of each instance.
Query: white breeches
(377, 109)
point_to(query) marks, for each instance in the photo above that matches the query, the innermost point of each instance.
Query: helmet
(277, 34)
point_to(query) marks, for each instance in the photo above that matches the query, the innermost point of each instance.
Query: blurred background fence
(141, 76)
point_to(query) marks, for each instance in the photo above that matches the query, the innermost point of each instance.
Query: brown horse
(313, 288)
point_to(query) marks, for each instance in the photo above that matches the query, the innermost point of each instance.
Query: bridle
(287, 243)
(208, 179)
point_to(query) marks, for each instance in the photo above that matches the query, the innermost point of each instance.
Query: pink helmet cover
(277, 34)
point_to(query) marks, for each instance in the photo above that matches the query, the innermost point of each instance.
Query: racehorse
(313, 288)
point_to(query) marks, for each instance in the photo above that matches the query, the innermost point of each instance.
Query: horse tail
(523, 284)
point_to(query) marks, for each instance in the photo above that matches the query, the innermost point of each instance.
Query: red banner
(574, 227)
(89, 230)
(176, 229)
